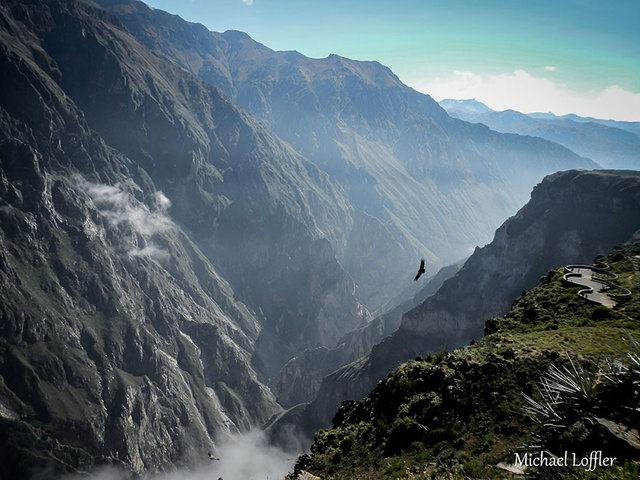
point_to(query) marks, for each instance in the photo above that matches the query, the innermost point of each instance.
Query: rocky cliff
(571, 217)
(130, 194)
(257, 208)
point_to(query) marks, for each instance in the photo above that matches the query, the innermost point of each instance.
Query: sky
(559, 56)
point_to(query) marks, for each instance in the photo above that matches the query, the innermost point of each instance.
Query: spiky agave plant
(577, 389)
(630, 378)
(575, 383)
(633, 354)
(543, 411)
(564, 389)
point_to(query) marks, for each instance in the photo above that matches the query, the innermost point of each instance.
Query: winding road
(583, 275)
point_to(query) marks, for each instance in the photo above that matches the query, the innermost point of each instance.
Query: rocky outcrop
(570, 216)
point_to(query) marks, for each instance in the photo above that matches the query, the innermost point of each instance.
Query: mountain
(611, 144)
(153, 237)
(571, 217)
(420, 183)
(271, 209)
(633, 127)
(466, 107)
(266, 217)
(557, 373)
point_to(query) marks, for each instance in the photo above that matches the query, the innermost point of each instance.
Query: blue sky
(564, 56)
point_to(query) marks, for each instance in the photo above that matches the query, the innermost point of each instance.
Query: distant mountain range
(610, 143)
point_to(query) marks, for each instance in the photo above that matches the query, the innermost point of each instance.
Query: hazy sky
(563, 56)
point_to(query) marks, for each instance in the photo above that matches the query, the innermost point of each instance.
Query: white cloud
(120, 207)
(266, 461)
(550, 68)
(523, 92)
(247, 2)
(150, 250)
(244, 456)
(162, 201)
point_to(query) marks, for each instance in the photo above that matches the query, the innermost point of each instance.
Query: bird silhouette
(421, 270)
(211, 457)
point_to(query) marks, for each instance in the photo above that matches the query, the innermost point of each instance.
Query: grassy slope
(458, 415)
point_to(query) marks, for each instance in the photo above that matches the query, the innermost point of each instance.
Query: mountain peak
(236, 35)
(468, 105)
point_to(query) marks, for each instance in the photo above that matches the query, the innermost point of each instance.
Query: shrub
(601, 312)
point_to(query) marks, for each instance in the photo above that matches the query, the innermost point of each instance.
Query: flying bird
(211, 457)
(421, 270)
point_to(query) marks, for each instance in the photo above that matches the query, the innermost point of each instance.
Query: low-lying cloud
(120, 207)
(526, 93)
(248, 456)
(241, 457)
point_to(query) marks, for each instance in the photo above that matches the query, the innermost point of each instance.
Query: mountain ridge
(405, 166)
(610, 143)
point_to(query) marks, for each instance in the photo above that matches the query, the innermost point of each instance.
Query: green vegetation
(557, 371)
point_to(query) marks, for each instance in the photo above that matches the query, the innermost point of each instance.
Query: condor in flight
(421, 270)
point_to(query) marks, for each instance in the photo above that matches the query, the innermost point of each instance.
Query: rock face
(300, 379)
(420, 183)
(256, 208)
(570, 216)
(612, 144)
(129, 193)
